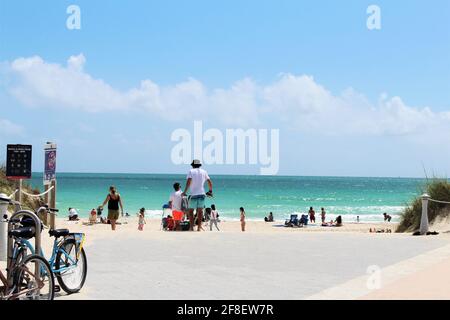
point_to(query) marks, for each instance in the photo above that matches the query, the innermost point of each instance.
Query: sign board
(50, 163)
(18, 161)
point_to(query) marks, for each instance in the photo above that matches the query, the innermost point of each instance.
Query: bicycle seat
(59, 233)
(25, 232)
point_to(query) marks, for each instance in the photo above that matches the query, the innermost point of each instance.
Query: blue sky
(347, 100)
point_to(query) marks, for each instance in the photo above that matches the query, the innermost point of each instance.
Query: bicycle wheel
(29, 286)
(72, 271)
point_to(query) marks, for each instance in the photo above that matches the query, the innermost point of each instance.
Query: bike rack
(37, 237)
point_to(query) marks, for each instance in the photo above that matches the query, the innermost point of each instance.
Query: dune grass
(7, 187)
(438, 189)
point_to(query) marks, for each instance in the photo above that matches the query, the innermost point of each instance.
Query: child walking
(141, 221)
(214, 218)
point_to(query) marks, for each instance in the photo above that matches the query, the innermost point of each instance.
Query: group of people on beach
(115, 210)
(182, 206)
(332, 223)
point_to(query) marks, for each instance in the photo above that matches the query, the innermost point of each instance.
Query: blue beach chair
(304, 220)
(292, 222)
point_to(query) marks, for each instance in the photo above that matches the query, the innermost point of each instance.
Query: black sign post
(18, 161)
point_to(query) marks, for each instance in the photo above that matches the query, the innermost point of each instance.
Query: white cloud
(10, 129)
(295, 101)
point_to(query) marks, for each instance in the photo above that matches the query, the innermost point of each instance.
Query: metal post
(37, 239)
(424, 218)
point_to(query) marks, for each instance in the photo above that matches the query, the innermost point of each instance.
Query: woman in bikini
(242, 219)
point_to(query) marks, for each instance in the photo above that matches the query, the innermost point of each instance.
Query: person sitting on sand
(93, 216)
(269, 218)
(73, 214)
(328, 224)
(336, 223)
(170, 223)
(387, 217)
(312, 215)
(175, 204)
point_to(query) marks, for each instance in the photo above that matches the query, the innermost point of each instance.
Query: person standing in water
(242, 219)
(323, 215)
(196, 179)
(114, 201)
(312, 215)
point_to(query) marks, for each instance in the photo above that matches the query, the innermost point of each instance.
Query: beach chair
(304, 220)
(292, 222)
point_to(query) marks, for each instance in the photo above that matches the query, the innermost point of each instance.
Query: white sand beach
(266, 262)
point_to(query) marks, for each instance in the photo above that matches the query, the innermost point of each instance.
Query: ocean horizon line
(249, 175)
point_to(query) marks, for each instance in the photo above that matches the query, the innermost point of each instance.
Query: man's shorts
(177, 215)
(197, 202)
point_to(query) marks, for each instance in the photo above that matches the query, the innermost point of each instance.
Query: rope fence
(13, 194)
(37, 195)
(438, 201)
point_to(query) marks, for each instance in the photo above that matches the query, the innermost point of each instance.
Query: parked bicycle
(68, 260)
(28, 277)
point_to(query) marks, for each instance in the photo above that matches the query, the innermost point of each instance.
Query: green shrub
(7, 187)
(438, 189)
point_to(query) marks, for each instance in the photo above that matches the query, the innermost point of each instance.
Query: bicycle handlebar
(47, 208)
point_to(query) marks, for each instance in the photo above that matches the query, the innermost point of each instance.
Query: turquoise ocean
(367, 198)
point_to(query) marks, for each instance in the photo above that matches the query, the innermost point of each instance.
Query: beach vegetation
(438, 189)
(8, 187)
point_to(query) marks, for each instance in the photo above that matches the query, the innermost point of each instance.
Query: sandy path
(267, 262)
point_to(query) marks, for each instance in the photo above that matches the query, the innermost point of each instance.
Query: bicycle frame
(56, 248)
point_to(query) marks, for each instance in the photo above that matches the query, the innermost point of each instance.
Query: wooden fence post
(52, 204)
